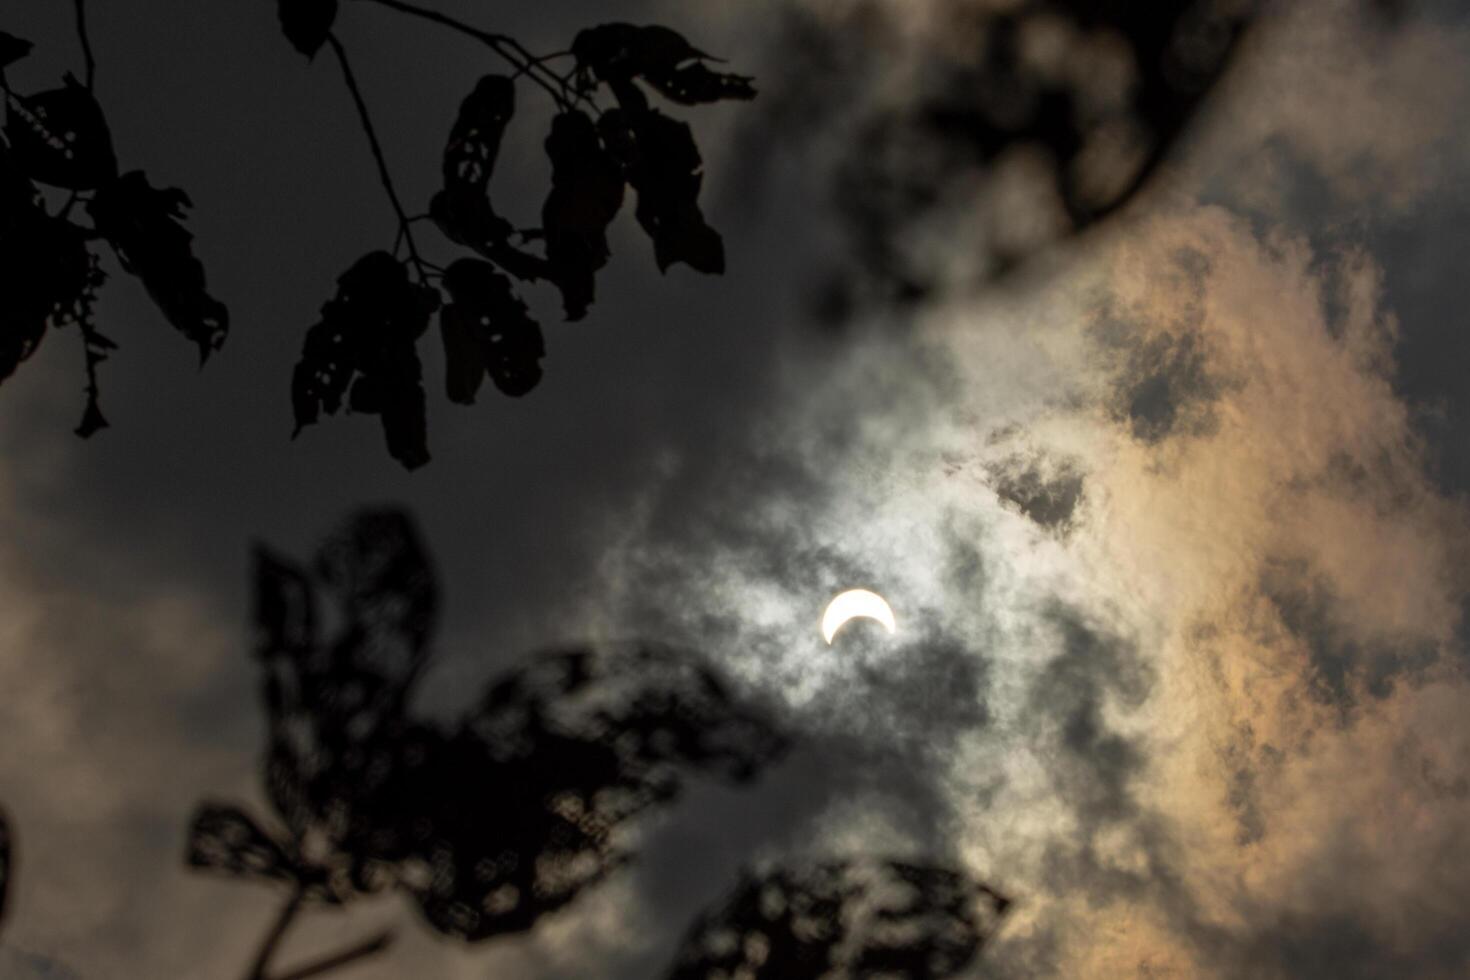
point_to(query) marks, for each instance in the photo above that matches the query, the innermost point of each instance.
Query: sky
(1173, 519)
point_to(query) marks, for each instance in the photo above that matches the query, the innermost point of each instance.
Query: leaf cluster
(486, 824)
(59, 139)
(605, 140)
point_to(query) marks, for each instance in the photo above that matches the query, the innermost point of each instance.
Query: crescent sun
(854, 604)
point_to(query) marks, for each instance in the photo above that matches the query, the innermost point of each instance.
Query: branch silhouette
(486, 825)
(363, 353)
(59, 138)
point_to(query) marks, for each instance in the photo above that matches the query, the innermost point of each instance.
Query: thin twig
(377, 148)
(505, 46)
(368, 947)
(91, 62)
(277, 932)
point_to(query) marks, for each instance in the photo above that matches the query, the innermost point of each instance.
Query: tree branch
(508, 48)
(368, 947)
(377, 148)
(277, 932)
(91, 62)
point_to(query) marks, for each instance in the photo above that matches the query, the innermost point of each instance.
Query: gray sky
(1200, 713)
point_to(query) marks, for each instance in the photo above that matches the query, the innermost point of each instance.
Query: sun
(855, 604)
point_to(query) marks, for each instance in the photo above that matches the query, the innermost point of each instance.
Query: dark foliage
(142, 225)
(362, 352)
(662, 164)
(487, 824)
(586, 194)
(855, 918)
(60, 138)
(488, 328)
(12, 49)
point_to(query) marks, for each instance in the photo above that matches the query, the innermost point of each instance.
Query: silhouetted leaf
(474, 140)
(856, 918)
(586, 193)
(51, 280)
(618, 53)
(487, 329)
(306, 23)
(363, 349)
(662, 163)
(462, 210)
(60, 137)
(12, 49)
(142, 223)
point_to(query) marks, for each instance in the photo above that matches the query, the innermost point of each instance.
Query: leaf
(365, 343)
(855, 918)
(466, 218)
(462, 210)
(663, 165)
(12, 49)
(60, 137)
(487, 330)
(52, 279)
(379, 570)
(225, 838)
(617, 53)
(142, 223)
(306, 23)
(586, 194)
(474, 140)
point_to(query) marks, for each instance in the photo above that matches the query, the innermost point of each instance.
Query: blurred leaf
(60, 137)
(12, 49)
(618, 53)
(502, 338)
(225, 838)
(663, 165)
(142, 223)
(856, 918)
(306, 23)
(363, 350)
(491, 823)
(586, 193)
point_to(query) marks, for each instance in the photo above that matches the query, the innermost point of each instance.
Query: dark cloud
(1343, 667)
(1045, 490)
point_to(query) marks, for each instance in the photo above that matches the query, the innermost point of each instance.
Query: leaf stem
(370, 946)
(277, 933)
(367, 125)
(91, 62)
